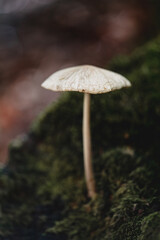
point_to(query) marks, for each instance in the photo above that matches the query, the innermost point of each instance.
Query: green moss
(43, 187)
(151, 227)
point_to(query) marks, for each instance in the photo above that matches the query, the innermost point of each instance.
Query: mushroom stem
(87, 147)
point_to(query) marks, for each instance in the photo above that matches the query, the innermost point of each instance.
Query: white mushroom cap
(85, 78)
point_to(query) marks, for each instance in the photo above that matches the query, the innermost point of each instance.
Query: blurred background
(38, 37)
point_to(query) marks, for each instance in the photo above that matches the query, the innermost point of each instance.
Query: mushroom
(89, 80)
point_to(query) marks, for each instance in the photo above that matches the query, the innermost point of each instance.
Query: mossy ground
(43, 193)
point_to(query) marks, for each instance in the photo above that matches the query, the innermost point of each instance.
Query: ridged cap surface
(87, 79)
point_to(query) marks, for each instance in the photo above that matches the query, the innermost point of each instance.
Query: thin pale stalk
(89, 176)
